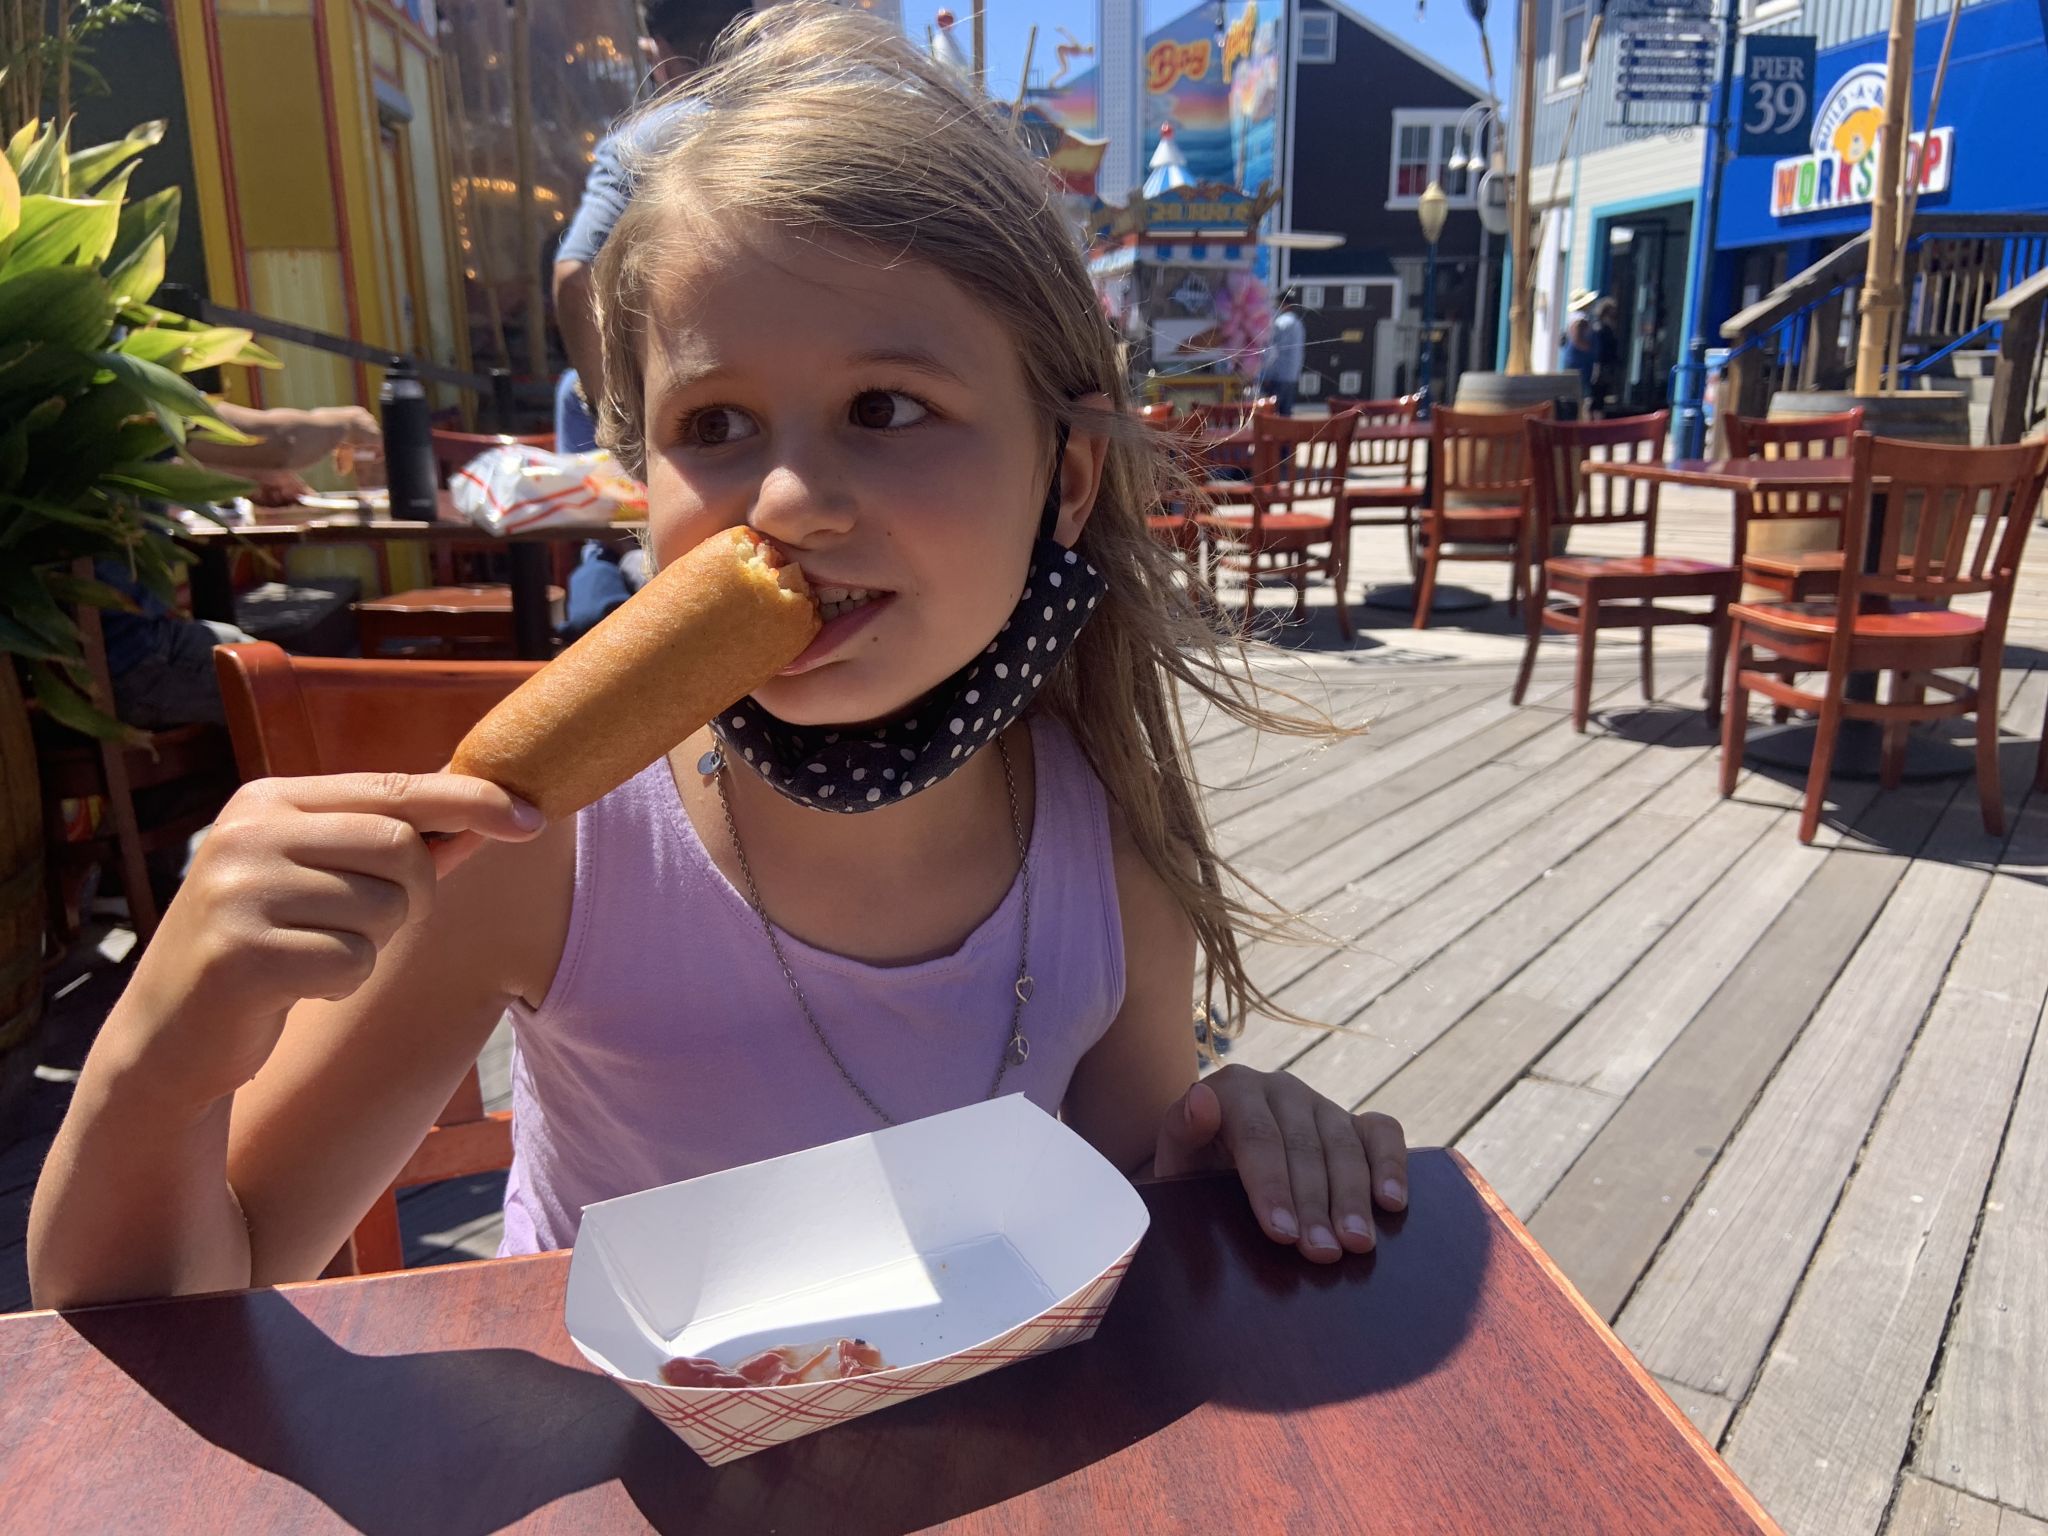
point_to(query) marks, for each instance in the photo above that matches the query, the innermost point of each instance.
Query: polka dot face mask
(863, 768)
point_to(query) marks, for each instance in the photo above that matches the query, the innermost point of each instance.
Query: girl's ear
(1081, 470)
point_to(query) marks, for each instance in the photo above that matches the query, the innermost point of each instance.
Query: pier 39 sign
(1842, 170)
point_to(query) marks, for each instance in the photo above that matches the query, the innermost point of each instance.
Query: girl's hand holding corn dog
(303, 881)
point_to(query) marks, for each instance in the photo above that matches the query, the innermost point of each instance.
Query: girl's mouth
(846, 611)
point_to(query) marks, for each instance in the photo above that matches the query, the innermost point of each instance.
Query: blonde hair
(817, 121)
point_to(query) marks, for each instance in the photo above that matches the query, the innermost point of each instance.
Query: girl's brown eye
(882, 409)
(717, 425)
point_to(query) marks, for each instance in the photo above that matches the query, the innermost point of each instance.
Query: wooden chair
(1967, 511)
(295, 715)
(1598, 592)
(1792, 574)
(1293, 503)
(1384, 470)
(1228, 463)
(1162, 411)
(158, 789)
(1478, 496)
(1180, 525)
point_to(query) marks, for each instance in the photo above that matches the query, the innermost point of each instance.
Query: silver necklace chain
(1016, 1048)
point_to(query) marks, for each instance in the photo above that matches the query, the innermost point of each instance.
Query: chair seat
(1632, 567)
(1805, 563)
(1906, 621)
(1381, 493)
(1272, 522)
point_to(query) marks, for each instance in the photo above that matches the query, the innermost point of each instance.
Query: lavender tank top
(669, 1045)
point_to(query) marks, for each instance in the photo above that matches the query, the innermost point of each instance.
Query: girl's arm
(308, 1005)
(1312, 1171)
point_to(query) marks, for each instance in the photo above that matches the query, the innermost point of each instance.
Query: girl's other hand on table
(1312, 1170)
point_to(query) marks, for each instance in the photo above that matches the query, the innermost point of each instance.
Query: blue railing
(1990, 331)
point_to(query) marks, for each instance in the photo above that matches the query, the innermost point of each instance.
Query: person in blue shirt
(1280, 370)
(1579, 352)
(680, 33)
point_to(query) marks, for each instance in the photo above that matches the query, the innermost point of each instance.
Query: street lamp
(1432, 208)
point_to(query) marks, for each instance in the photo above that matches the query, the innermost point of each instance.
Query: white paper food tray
(954, 1245)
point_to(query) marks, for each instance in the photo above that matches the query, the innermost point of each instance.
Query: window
(1425, 142)
(1350, 382)
(1312, 296)
(1316, 37)
(1567, 63)
(1757, 13)
(1310, 383)
(1354, 298)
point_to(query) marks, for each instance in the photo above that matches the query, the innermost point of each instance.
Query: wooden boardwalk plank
(1929, 1509)
(1558, 885)
(1706, 1310)
(1607, 1216)
(1709, 1414)
(1448, 1086)
(1538, 1126)
(1824, 1431)
(1988, 1430)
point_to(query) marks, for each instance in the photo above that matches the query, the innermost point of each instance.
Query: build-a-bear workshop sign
(1842, 170)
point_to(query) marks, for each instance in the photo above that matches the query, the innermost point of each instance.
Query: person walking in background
(1577, 352)
(1280, 369)
(1606, 390)
(680, 34)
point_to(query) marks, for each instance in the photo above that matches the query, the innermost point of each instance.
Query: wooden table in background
(526, 552)
(1452, 1382)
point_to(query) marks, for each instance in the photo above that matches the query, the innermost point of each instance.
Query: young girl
(955, 850)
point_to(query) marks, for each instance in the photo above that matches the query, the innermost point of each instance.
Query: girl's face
(873, 421)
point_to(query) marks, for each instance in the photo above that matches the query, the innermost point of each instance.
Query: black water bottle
(408, 444)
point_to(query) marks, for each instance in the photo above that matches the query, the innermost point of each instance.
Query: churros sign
(1842, 170)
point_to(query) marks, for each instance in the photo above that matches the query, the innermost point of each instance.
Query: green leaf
(66, 306)
(176, 403)
(42, 169)
(13, 456)
(87, 592)
(10, 200)
(185, 484)
(187, 351)
(138, 275)
(68, 706)
(23, 642)
(91, 167)
(19, 146)
(156, 214)
(63, 231)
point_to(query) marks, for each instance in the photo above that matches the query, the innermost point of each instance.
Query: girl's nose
(800, 502)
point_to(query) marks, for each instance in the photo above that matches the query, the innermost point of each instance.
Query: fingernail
(1319, 1237)
(1283, 1222)
(1393, 1190)
(527, 817)
(1357, 1226)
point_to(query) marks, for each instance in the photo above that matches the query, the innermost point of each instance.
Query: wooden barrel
(1922, 415)
(1493, 392)
(21, 895)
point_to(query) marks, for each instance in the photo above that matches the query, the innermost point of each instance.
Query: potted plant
(95, 412)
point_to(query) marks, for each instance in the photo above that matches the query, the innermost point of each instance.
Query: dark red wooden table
(1452, 1382)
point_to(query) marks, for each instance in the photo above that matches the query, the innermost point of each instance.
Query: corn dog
(705, 632)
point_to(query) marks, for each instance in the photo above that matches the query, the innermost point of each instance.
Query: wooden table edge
(1691, 1431)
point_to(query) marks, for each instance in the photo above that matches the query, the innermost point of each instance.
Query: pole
(1427, 369)
(980, 47)
(529, 230)
(1880, 303)
(1518, 210)
(1691, 394)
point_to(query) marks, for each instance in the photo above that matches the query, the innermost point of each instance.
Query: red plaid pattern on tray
(722, 1424)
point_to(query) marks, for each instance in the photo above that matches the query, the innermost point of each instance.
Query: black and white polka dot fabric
(867, 768)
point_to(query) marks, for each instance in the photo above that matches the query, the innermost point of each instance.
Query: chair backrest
(292, 715)
(1222, 415)
(1384, 453)
(1297, 459)
(1562, 494)
(1955, 520)
(1480, 457)
(452, 450)
(1809, 437)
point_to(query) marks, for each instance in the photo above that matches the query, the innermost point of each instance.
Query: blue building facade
(1779, 212)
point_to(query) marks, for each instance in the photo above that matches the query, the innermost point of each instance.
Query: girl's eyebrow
(906, 357)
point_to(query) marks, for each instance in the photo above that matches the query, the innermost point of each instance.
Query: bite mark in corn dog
(705, 632)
